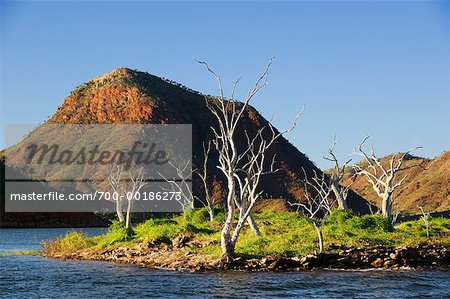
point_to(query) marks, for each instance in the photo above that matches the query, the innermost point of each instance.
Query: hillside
(125, 96)
(427, 186)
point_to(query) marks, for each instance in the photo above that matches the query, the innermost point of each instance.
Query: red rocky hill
(126, 96)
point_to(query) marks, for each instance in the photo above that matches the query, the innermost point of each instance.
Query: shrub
(438, 227)
(187, 215)
(340, 217)
(71, 242)
(116, 226)
(371, 222)
(200, 216)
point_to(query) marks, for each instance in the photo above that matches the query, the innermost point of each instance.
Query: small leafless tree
(125, 188)
(252, 165)
(318, 204)
(208, 201)
(337, 176)
(242, 168)
(182, 184)
(425, 217)
(115, 177)
(135, 185)
(381, 177)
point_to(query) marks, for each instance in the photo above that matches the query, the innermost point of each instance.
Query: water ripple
(32, 276)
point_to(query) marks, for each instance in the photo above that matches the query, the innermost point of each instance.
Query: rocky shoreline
(179, 255)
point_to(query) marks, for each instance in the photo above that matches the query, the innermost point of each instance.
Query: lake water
(37, 277)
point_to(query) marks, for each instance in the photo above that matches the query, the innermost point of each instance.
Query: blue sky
(377, 68)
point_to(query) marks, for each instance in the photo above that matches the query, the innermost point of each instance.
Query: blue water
(37, 277)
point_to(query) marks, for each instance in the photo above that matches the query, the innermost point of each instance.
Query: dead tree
(425, 217)
(115, 178)
(134, 186)
(383, 177)
(208, 201)
(337, 176)
(252, 165)
(242, 168)
(317, 204)
(182, 184)
(125, 188)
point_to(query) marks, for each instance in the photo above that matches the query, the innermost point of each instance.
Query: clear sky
(358, 67)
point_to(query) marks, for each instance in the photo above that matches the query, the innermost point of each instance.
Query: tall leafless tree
(383, 178)
(242, 168)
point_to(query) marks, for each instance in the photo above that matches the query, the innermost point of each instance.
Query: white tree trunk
(211, 212)
(254, 227)
(226, 244)
(128, 219)
(209, 204)
(320, 236)
(237, 230)
(250, 220)
(425, 217)
(119, 210)
(386, 205)
(342, 203)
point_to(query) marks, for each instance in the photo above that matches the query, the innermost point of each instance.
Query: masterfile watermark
(140, 153)
(57, 168)
(98, 195)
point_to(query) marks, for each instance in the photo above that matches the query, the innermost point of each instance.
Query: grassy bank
(19, 252)
(283, 234)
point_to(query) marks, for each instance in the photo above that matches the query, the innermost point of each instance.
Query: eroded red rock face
(107, 104)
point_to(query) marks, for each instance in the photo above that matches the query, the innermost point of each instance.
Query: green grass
(19, 252)
(282, 233)
(71, 242)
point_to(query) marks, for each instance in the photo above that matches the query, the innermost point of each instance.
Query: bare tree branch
(318, 204)
(381, 177)
(242, 168)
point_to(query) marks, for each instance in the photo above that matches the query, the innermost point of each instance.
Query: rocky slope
(126, 96)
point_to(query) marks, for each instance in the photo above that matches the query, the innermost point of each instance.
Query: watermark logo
(140, 153)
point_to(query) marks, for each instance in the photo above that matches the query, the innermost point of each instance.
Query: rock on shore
(177, 254)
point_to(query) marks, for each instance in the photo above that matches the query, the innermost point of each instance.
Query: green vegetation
(71, 242)
(282, 234)
(19, 252)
